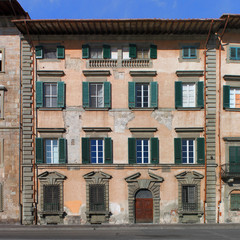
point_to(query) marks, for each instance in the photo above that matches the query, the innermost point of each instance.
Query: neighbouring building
(10, 62)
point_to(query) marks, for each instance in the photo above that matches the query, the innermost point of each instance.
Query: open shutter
(153, 51)
(85, 51)
(154, 94)
(108, 150)
(178, 150)
(131, 94)
(178, 94)
(226, 96)
(61, 95)
(39, 52)
(85, 151)
(200, 99)
(131, 150)
(60, 52)
(132, 51)
(85, 94)
(39, 150)
(200, 151)
(106, 51)
(233, 53)
(62, 150)
(154, 151)
(39, 94)
(107, 94)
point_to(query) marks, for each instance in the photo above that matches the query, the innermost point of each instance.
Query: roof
(12, 8)
(117, 26)
(233, 20)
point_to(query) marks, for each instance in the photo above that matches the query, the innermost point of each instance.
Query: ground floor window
(51, 196)
(189, 198)
(97, 197)
(235, 201)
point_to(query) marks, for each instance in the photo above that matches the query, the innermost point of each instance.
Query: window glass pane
(51, 151)
(142, 95)
(114, 53)
(188, 95)
(126, 53)
(50, 52)
(97, 153)
(96, 52)
(188, 151)
(50, 94)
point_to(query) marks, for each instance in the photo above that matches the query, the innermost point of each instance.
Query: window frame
(51, 96)
(2, 103)
(237, 58)
(189, 59)
(186, 205)
(230, 93)
(2, 61)
(231, 201)
(97, 151)
(91, 84)
(141, 102)
(189, 48)
(92, 205)
(142, 50)
(142, 145)
(58, 201)
(188, 151)
(52, 150)
(188, 104)
(100, 48)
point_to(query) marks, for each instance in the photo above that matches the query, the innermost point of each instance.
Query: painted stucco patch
(73, 206)
(164, 118)
(73, 63)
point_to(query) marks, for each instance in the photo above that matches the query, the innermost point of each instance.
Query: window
(1, 60)
(231, 97)
(96, 52)
(51, 196)
(189, 95)
(51, 151)
(1, 103)
(235, 201)
(189, 198)
(1, 197)
(50, 95)
(234, 159)
(97, 197)
(142, 52)
(189, 151)
(142, 95)
(97, 151)
(234, 53)
(189, 52)
(143, 151)
(50, 52)
(96, 95)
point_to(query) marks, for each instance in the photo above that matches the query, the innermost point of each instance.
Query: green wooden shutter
(85, 94)
(226, 96)
(62, 143)
(200, 150)
(153, 51)
(131, 150)
(154, 151)
(107, 94)
(39, 94)
(60, 52)
(39, 150)
(106, 51)
(85, 151)
(39, 52)
(178, 150)
(108, 150)
(178, 94)
(85, 51)
(234, 159)
(154, 94)
(132, 50)
(131, 94)
(200, 98)
(61, 95)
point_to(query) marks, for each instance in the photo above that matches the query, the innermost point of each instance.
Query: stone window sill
(189, 108)
(233, 109)
(49, 109)
(142, 109)
(96, 109)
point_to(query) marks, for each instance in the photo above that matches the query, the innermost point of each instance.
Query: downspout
(219, 117)
(205, 121)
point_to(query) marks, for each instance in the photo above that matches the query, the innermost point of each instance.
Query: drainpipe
(219, 117)
(205, 114)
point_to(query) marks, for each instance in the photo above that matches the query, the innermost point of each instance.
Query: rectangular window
(96, 153)
(142, 151)
(96, 53)
(97, 197)
(1, 60)
(96, 93)
(188, 151)
(50, 95)
(235, 53)
(125, 53)
(50, 52)
(142, 52)
(189, 198)
(51, 151)
(142, 95)
(114, 53)
(1, 104)
(235, 202)
(188, 95)
(51, 196)
(189, 52)
(234, 97)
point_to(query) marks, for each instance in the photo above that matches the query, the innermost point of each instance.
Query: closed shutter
(132, 51)
(153, 51)
(60, 52)
(1, 197)
(85, 51)
(178, 150)
(178, 94)
(131, 150)
(39, 151)
(154, 94)
(235, 201)
(108, 151)
(131, 94)
(39, 52)
(200, 90)
(85, 151)
(107, 95)
(51, 196)
(154, 151)
(106, 51)
(62, 150)
(39, 94)
(97, 197)
(61, 95)
(233, 53)
(226, 96)
(85, 94)
(200, 150)
(234, 159)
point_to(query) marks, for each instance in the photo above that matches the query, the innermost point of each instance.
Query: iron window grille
(51, 196)
(97, 197)
(189, 198)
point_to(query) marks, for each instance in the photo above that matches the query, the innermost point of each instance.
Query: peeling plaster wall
(164, 118)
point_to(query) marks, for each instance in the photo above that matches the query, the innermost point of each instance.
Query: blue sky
(116, 9)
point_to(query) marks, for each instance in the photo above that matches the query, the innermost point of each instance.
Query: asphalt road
(123, 233)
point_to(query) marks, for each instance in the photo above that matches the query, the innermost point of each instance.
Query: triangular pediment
(98, 174)
(189, 175)
(53, 175)
(135, 176)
